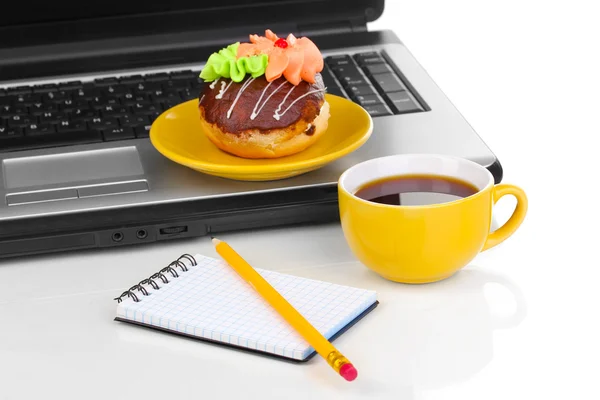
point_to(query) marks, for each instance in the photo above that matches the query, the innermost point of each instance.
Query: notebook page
(211, 301)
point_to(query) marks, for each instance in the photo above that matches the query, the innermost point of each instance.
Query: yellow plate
(177, 135)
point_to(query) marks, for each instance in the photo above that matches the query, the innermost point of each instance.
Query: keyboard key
(114, 111)
(187, 75)
(377, 110)
(18, 90)
(159, 77)
(70, 85)
(66, 105)
(172, 99)
(21, 109)
(27, 99)
(176, 84)
(106, 82)
(68, 126)
(2, 92)
(134, 120)
(371, 57)
(118, 133)
(404, 103)
(40, 108)
(142, 131)
(115, 90)
(368, 100)
(146, 87)
(8, 110)
(51, 117)
(83, 114)
(101, 101)
(130, 99)
(360, 90)
(9, 133)
(347, 72)
(131, 79)
(36, 106)
(48, 87)
(167, 94)
(103, 123)
(53, 97)
(354, 82)
(166, 104)
(157, 94)
(374, 69)
(339, 60)
(70, 105)
(39, 129)
(328, 77)
(86, 93)
(189, 94)
(20, 121)
(197, 84)
(146, 109)
(388, 83)
(153, 115)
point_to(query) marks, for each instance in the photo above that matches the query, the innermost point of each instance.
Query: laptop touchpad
(57, 169)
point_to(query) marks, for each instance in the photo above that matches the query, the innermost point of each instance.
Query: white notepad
(206, 299)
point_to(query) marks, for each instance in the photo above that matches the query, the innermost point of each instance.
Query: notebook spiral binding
(151, 280)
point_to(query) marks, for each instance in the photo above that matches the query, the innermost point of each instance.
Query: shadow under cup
(422, 243)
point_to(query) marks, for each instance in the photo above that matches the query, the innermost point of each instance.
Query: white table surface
(520, 322)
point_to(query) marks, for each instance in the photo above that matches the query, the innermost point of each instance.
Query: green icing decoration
(225, 64)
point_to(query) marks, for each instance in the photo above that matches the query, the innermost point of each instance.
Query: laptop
(80, 85)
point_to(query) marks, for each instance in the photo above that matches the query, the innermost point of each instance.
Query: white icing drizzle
(237, 97)
(277, 115)
(255, 112)
(212, 85)
(283, 101)
(201, 98)
(223, 90)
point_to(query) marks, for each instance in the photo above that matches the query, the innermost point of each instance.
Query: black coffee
(416, 190)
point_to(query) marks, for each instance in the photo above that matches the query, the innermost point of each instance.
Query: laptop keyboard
(367, 79)
(123, 108)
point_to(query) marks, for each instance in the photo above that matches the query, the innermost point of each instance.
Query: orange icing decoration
(300, 60)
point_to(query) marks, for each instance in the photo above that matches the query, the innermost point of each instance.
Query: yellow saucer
(177, 135)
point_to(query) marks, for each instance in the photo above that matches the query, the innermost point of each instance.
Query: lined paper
(212, 301)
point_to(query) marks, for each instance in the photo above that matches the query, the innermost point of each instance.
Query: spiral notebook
(204, 298)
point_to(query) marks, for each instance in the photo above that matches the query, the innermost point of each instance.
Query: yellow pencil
(321, 345)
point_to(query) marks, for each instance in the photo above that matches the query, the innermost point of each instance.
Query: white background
(525, 74)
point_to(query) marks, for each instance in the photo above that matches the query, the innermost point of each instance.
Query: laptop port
(173, 230)
(117, 237)
(142, 234)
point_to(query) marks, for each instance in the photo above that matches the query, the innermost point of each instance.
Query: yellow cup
(421, 244)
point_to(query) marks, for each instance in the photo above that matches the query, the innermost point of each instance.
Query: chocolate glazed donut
(255, 118)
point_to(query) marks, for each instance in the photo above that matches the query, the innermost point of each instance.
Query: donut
(264, 99)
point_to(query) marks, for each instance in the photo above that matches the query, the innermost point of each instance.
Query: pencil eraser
(348, 372)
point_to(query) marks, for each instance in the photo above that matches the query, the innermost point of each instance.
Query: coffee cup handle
(505, 322)
(515, 220)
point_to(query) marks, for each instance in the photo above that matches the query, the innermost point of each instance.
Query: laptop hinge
(333, 27)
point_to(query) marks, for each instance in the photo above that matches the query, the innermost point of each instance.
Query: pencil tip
(215, 240)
